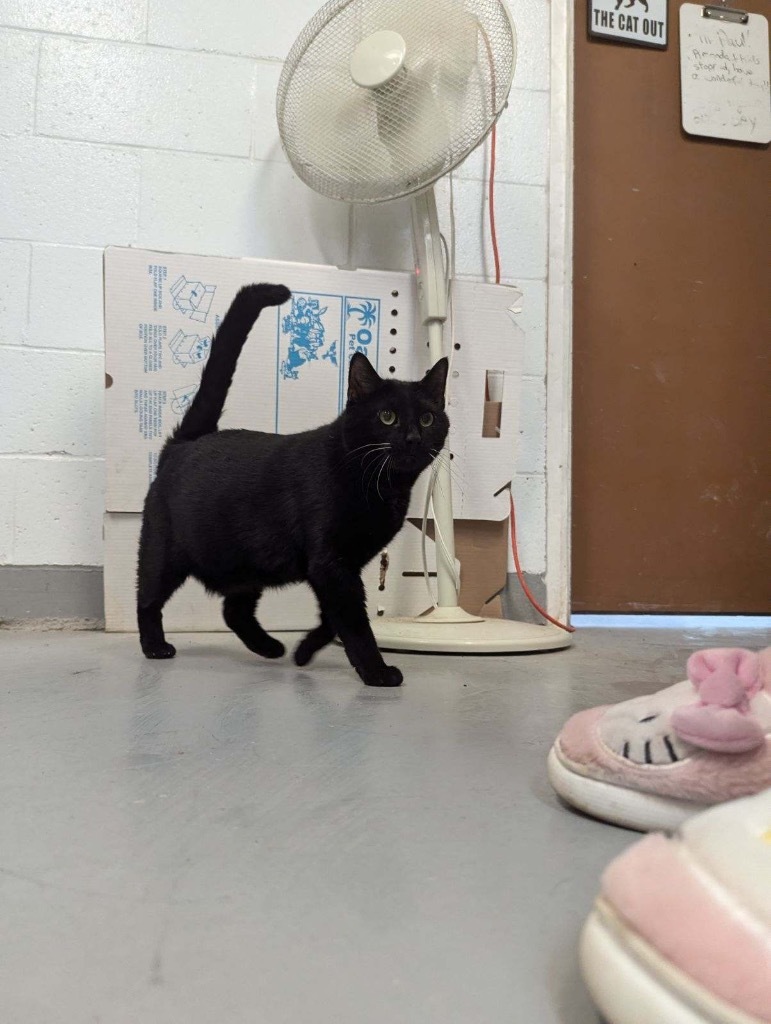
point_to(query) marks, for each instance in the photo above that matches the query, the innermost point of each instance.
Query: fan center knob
(377, 59)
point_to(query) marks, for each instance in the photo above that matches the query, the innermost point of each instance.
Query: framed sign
(641, 22)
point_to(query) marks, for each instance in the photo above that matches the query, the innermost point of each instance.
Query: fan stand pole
(447, 628)
(432, 305)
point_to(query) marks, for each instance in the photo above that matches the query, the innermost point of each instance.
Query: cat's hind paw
(159, 651)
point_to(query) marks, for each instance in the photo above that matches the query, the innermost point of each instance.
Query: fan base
(453, 631)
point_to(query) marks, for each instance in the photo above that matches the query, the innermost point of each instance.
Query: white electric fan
(376, 101)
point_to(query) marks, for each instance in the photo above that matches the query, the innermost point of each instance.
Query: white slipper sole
(644, 812)
(632, 984)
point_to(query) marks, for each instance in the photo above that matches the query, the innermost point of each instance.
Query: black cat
(241, 511)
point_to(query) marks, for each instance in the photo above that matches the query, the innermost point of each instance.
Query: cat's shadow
(284, 669)
(208, 652)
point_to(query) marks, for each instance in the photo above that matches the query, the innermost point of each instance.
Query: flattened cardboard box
(161, 312)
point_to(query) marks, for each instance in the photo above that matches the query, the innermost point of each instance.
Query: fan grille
(369, 146)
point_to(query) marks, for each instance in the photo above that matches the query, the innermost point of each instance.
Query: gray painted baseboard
(74, 592)
(516, 605)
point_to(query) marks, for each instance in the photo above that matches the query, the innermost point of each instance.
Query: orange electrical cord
(512, 520)
(521, 575)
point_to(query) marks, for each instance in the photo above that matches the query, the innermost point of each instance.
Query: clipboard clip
(721, 12)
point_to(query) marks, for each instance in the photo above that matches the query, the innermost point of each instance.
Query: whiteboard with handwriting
(724, 76)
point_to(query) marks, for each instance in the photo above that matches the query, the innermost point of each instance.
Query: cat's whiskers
(382, 467)
(457, 487)
(440, 458)
(374, 474)
(361, 447)
(374, 456)
(355, 451)
(443, 460)
(369, 473)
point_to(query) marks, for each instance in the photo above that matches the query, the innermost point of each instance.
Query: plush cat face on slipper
(241, 510)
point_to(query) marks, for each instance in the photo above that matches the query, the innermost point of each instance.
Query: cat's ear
(363, 378)
(435, 381)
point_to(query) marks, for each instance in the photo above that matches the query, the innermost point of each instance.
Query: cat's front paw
(388, 675)
(159, 651)
(272, 648)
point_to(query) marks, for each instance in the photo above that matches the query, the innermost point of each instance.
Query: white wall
(150, 123)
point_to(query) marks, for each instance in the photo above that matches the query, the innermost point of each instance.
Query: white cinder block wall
(151, 123)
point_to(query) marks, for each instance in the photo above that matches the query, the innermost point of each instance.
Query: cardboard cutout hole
(493, 407)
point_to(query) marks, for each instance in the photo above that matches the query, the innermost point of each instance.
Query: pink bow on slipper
(721, 720)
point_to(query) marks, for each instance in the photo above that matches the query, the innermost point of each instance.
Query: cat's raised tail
(206, 408)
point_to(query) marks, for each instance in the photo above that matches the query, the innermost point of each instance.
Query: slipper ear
(721, 730)
(743, 664)
(748, 669)
(721, 720)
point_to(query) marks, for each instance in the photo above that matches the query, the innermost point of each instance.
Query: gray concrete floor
(218, 840)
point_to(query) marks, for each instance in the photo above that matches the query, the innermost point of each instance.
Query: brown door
(672, 395)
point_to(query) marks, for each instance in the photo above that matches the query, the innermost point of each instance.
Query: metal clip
(722, 12)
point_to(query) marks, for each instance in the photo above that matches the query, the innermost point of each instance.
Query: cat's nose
(413, 436)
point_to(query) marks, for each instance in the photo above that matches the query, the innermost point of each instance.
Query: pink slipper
(651, 762)
(681, 931)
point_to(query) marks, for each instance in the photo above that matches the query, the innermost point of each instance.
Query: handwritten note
(724, 76)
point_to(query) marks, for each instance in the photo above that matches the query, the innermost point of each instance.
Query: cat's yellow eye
(426, 419)
(388, 417)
